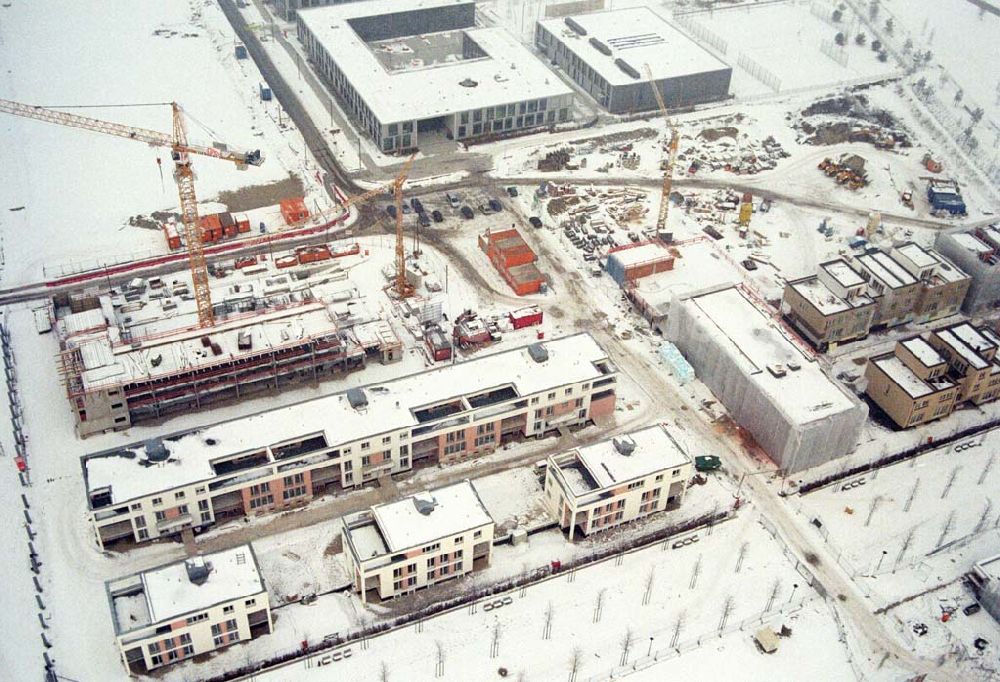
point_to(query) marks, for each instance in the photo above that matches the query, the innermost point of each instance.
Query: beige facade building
(600, 486)
(418, 541)
(831, 306)
(173, 612)
(943, 286)
(923, 380)
(284, 458)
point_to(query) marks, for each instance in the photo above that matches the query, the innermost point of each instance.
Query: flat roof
(903, 376)
(654, 450)
(454, 508)
(391, 406)
(510, 73)
(971, 242)
(637, 35)
(750, 336)
(887, 270)
(918, 255)
(825, 301)
(642, 253)
(841, 271)
(967, 352)
(972, 337)
(168, 592)
(923, 351)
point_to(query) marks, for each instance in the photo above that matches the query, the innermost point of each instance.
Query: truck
(265, 93)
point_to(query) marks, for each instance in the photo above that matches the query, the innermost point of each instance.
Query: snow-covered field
(78, 189)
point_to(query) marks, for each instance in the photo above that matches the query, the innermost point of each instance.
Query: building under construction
(137, 352)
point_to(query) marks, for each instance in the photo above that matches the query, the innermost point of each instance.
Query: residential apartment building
(418, 541)
(911, 384)
(895, 291)
(597, 487)
(845, 300)
(191, 607)
(943, 286)
(977, 252)
(283, 458)
(830, 307)
(925, 379)
(971, 357)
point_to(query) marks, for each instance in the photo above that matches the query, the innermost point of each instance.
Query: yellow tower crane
(180, 152)
(668, 166)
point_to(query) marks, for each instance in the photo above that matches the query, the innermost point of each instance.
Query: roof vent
(793, 365)
(357, 398)
(468, 83)
(627, 68)
(538, 352)
(600, 47)
(156, 451)
(777, 370)
(575, 26)
(624, 446)
(198, 570)
(424, 506)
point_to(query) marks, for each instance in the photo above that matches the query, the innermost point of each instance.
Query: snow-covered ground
(77, 188)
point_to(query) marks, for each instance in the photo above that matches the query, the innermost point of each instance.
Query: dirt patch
(713, 134)
(617, 138)
(336, 546)
(151, 222)
(256, 196)
(811, 559)
(556, 312)
(864, 123)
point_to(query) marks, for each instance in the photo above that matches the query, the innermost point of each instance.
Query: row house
(174, 612)
(830, 307)
(284, 458)
(925, 379)
(399, 547)
(845, 300)
(600, 486)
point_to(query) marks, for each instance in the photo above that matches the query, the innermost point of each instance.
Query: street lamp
(650, 651)
(880, 559)
(739, 488)
(795, 586)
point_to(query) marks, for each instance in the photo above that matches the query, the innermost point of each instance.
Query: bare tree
(495, 640)
(383, 675)
(626, 643)
(439, 658)
(650, 579)
(743, 553)
(727, 608)
(678, 626)
(775, 588)
(547, 628)
(599, 604)
(575, 661)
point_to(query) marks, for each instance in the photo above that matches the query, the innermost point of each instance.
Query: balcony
(174, 524)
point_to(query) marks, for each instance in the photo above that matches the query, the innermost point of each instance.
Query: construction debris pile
(727, 149)
(850, 119)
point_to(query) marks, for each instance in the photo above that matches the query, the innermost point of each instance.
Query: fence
(758, 72)
(499, 588)
(702, 33)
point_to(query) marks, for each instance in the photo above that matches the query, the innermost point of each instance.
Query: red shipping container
(525, 317)
(286, 261)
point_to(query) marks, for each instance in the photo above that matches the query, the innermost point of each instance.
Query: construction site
(477, 324)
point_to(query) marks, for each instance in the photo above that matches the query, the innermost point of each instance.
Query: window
(197, 618)
(188, 650)
(397, 572)
(260, 488)
(250, 602)
(117, 406)
(183, 509)
(659, 477)
(199, 491)
(431, 561)
(478, 534)
(206, 517)
(431, 574)
(459, 539)
(534, 401)
(386, 440)
(569, 391)
(186, 638)
(161, 515)
(635, 484)
(348, 465)
(137, 506)
(457, 554)
(458, 567)
(432, 548)
(675, 473)
(172, 655)
(411, 581)
(366, 460)
(404, 462)
(552, 396)
(143, 534)
(202, 505)
(140, 522)
(157, 500)
(179, 495)
(365, 445)
(257, 502)
(228, 609)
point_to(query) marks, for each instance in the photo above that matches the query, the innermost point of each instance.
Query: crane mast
(180, 151)
(668, 171)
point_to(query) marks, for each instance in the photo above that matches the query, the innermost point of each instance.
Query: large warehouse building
(420, 69)
(607, 53)
(797, 414)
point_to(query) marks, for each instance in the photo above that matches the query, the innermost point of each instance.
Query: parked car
(407, 210)
(467, 213)
(452, 199)
(391, 210)
(436, 215)
(750, 264)
(484, 209)
(417, 206)
(535, 221)
(496, 206)
(423, 220)
(512, 192)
